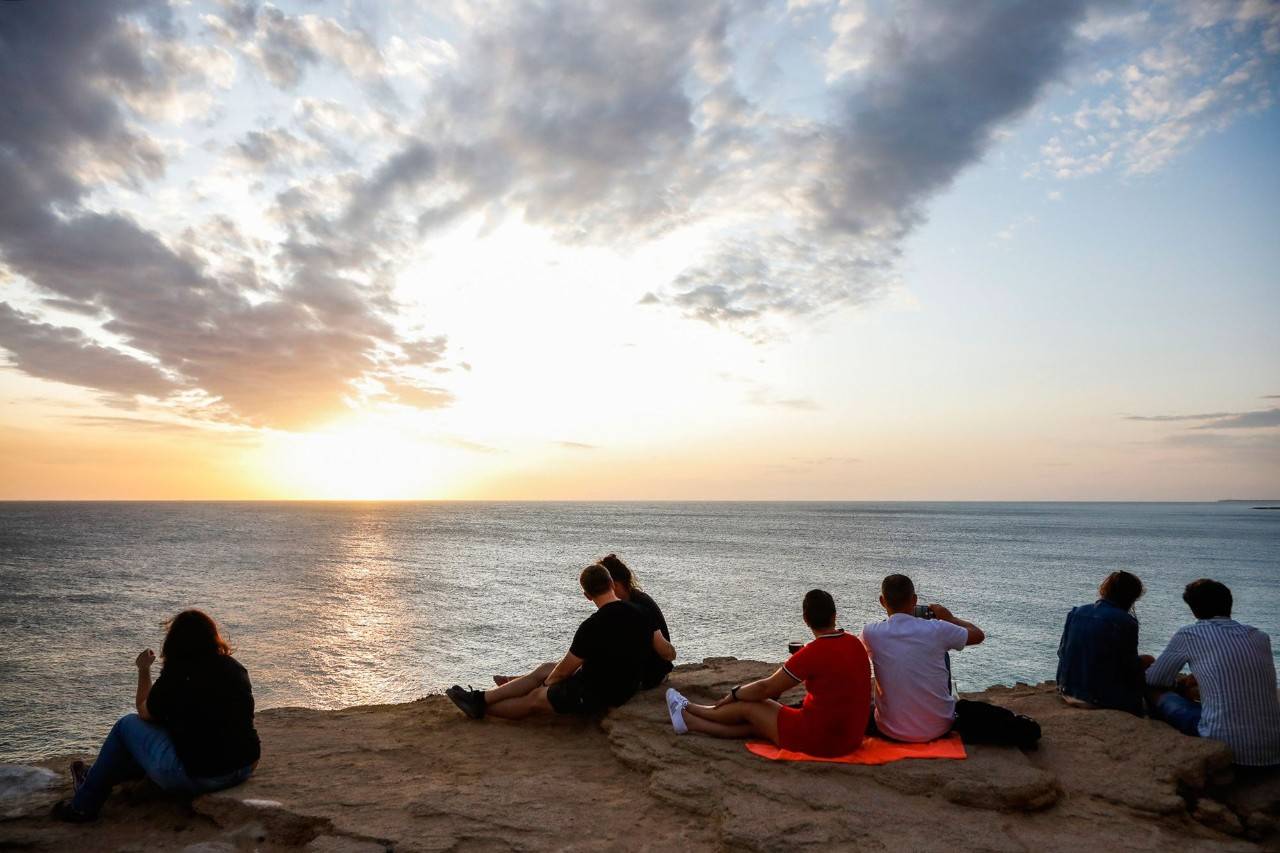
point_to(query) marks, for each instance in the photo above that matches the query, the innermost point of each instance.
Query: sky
(679, 249)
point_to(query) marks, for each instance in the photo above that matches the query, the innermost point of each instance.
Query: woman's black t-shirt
(655, 668)
(206, 704)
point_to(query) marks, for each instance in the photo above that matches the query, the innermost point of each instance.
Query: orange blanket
(873, 750)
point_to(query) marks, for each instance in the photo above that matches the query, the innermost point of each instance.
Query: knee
(128, 721)
(539, 700)
(544, 670)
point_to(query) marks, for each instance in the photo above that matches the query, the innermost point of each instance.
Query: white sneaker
(675, 707)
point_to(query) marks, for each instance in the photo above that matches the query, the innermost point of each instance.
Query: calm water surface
(334, 604)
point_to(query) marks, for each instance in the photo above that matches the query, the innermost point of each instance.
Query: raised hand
(145, 659)
(942, 613)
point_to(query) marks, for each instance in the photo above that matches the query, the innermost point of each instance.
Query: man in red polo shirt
(833, 719)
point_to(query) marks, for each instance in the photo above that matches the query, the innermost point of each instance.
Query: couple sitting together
(913, 696)
(1230, 695)
(624, 646)
(621, 648)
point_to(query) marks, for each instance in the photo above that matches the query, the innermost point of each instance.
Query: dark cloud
(290, 355)
(575, 115)
(615, 122)
(1164, 418)
(1219, 420)
(1246, 420)
(66, 354)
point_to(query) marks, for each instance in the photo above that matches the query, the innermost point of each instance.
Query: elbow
(976, 636)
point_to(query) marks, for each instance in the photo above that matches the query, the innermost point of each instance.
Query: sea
(336, 604)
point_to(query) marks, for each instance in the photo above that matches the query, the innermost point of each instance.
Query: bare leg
(519, 707)
(521, 686)
(738, 732)
(736, 719)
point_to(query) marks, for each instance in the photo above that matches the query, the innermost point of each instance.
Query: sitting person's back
(206, 704)
(1235, 672)
(656, 667)
(913, 697)
(602, 669)
(837, 679)
(614, 646)
(1098, 662)
(913, 684)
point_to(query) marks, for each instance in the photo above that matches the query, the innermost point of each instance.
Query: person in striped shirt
(1236, 675)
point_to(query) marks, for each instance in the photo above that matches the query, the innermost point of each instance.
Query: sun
(354, 460)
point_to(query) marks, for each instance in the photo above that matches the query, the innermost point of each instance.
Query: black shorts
(575, 696)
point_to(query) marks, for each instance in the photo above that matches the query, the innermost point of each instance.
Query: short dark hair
(595, 580)
(1121, 588)
(819, 609)
(897, 591)
(192, 634)
(1207, 598)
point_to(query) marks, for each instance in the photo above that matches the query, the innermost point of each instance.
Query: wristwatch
(733, 692)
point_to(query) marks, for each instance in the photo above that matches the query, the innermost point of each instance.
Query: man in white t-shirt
(913, 697)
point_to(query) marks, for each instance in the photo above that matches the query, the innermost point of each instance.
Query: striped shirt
(1237, 676)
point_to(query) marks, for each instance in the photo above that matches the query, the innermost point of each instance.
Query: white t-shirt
(913, 687)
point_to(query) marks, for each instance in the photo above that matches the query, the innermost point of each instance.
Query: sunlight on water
(330, 605)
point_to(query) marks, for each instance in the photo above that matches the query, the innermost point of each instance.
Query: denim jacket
(1098, 657)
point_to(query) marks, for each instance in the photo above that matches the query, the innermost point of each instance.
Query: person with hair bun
(193, 731)
(627, 588)
(1098, 661)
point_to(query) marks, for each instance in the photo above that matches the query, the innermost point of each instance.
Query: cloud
(285, 350)
(576, 445)
(65, 354)
(1260, 448)
(1163, 418)
(940, 82)
(1263, 419)
(1156, 81)
(1246, 420)
(284, 46)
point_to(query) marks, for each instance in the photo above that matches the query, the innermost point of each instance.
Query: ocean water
(336, 604)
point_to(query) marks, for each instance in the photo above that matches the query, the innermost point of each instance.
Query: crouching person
(914, 701)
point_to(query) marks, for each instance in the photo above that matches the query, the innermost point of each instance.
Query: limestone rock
(419, 776)
(28, 790)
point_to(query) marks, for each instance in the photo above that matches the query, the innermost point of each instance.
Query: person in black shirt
(627, 588)
(193, 731)
(602, 669)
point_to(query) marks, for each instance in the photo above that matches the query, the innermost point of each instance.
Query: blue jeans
(1180, 712)
(137, 748)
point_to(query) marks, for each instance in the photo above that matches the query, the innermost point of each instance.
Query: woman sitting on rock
(193, 732)
(625, 586)
(836, 673)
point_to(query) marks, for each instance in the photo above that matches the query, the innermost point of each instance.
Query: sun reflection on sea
(358, 641)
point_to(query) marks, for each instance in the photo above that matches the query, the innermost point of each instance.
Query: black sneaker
(67, 813)
(469, 702)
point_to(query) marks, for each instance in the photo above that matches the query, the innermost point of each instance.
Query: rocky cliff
(419, 776)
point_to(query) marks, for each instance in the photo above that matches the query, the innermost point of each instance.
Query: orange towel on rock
(873, 750)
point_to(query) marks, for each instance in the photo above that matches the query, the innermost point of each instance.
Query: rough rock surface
(419, 776)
